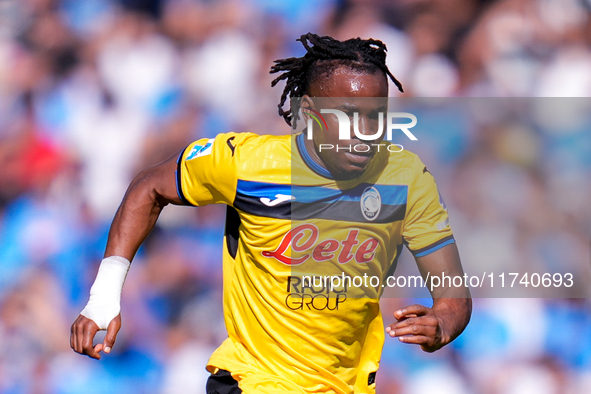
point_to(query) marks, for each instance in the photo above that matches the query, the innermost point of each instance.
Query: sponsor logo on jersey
(303, 242)
(304, 294)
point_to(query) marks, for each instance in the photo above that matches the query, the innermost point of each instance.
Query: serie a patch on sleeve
(201, 150)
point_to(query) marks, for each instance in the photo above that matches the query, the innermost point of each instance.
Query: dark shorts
(222, 382)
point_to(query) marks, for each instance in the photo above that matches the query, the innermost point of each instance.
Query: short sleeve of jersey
(426, 225)
(206, 170)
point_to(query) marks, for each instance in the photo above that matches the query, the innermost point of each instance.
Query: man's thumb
(111, 336)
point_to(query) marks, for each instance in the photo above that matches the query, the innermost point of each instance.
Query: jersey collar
(317, 168)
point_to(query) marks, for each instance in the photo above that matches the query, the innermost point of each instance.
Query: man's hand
(83, 332)
(435, 327)
(420, 325)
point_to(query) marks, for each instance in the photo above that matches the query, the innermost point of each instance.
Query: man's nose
(366, 127)
(363, 126)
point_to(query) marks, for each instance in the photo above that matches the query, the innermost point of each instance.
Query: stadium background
(91, 91)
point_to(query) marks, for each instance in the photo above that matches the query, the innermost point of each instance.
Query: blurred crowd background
(92, 91)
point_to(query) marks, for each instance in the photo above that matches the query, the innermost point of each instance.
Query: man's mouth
(359, 158)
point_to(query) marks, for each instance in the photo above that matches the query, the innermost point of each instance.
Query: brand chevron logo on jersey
(279, 198)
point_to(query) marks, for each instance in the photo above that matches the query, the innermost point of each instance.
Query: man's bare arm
(149, 192)
(435, 327)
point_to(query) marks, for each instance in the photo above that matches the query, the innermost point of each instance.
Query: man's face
(349, 91)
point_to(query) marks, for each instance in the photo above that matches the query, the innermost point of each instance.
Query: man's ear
(306, 103)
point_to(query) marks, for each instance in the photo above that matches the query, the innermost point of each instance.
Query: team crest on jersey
(371, 203)
(201, 150)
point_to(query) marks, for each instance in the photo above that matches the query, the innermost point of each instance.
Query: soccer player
(355, 212)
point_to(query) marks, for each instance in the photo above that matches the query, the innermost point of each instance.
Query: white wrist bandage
(105, 294)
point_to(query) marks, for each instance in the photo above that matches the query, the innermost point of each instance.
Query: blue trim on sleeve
(177, 176)
(435, 248)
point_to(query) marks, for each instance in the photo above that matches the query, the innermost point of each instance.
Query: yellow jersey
(288, 219)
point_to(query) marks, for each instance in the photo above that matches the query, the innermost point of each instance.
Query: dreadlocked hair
(323, 55)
